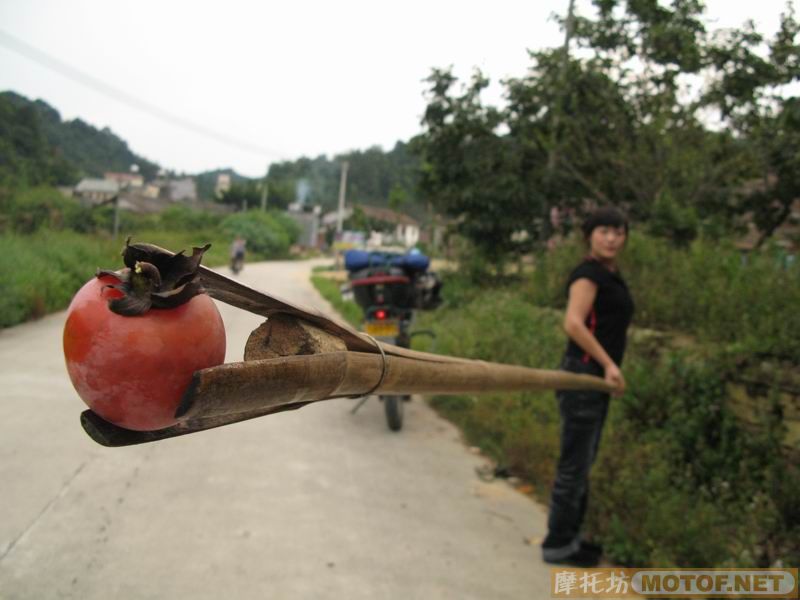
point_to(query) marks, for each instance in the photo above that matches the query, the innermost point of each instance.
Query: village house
(182, 190)
(125, 180)
(223, 184)
(309, 223)
(406, 230)
(91, 191)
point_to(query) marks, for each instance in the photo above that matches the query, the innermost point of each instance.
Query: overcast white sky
(299, 78)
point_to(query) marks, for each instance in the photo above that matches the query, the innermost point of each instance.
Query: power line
(98, 85)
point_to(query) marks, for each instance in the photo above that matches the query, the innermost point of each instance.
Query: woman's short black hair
(607, 216)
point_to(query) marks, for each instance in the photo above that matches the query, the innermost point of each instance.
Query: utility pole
(342, 188)
(116, 216)
(570, 25)
(264, 191)
(552, 158)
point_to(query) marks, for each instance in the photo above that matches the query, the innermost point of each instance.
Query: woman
(599, 310)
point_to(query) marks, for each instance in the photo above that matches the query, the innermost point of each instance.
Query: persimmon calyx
(153, 278)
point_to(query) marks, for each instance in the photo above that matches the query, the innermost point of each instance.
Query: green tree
(471, 171)
(89, 151)
(26, 157)
(372, 176)
(398, 197)
(642, 131)
(268, 234)
(749, 91)
(618, 122)
(246, 194)
(358, 220)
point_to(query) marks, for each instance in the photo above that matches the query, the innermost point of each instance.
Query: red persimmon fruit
(132, 369)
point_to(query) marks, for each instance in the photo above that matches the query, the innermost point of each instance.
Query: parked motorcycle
(389, 288)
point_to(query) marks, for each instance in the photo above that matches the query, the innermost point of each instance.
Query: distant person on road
(238, 249)
(599, 310)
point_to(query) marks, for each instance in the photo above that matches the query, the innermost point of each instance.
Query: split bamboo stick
(299, 356)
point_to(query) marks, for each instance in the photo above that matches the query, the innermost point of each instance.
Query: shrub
(679, 480)
(180, 217)
(708, 290)
(30, 209)
(670, 220)
(43, 270)
(266, 234)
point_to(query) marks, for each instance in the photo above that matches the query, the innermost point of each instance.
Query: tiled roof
(104, 186)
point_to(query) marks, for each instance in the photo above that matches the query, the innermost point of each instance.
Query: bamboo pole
(235, 392)
(299, 356)
(249, 386)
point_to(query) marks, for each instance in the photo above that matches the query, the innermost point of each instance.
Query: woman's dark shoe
(592, 548)
(580, 558)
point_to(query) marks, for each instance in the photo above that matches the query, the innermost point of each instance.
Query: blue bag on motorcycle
(355, 260)
(413, 262)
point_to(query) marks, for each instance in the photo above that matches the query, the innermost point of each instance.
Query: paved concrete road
(313, 504)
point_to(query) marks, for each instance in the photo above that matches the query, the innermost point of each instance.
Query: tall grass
(329, 289)
(50, 245)
(40, 272)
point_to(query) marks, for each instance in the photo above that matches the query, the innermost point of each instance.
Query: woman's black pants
(583, 414)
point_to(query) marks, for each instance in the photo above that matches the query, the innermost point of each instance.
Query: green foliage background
(65, 148)
(375, 177)
(331, 291)
(614, 118)
(267, 234)
(680, 481)
(725, 297)
(50, 245)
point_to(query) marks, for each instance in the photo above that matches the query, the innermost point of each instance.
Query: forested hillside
(374, 177)
(38, 147)
(89, 151)
(25, 154)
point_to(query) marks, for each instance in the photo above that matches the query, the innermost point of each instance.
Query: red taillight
(380, 314)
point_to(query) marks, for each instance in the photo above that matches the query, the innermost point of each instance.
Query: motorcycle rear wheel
(393, 407)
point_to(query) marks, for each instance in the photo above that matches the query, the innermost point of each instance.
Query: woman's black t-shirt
(611, 312)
